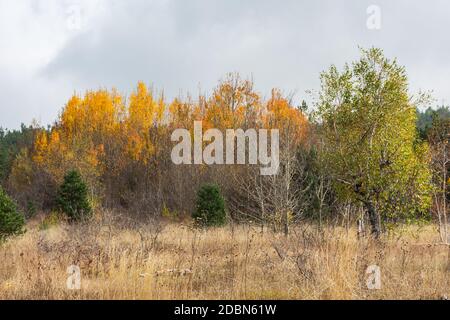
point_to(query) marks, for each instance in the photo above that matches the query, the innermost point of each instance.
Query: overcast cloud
(52, 48)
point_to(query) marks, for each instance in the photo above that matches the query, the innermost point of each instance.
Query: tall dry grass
(154, 260)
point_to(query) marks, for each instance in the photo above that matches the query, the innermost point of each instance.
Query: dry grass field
(122, 259)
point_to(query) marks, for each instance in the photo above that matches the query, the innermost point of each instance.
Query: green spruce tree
(210, 206)
(73, 197)
(11, 220)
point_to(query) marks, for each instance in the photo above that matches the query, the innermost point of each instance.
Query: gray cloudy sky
(52, 48)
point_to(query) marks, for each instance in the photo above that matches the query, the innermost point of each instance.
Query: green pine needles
(73, 197)
(11, 220)
(210, 207)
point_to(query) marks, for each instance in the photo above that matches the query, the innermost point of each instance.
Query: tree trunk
(286, 222)
(373, 218)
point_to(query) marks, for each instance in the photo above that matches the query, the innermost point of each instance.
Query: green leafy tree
(210, 206)
(73, 197)
(368, 123)
(11, 220)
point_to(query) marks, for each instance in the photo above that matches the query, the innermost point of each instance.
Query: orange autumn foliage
(102, 134)
(290, 121)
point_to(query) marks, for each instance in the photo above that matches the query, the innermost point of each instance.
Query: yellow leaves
(70, 114)
(233, 104)
(89, 124)
(102, 131)
(54, 138)
(160, 109)
(144, 113)
(141, 109)
(135, 146)
(97, 112)
(181, 114)
(40, 147)
(100, 111)
(290, 121)
(78, 140)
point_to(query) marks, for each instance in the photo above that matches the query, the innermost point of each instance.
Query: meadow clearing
(124, 258)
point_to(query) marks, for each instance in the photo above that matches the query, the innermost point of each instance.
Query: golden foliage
(101, 132)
